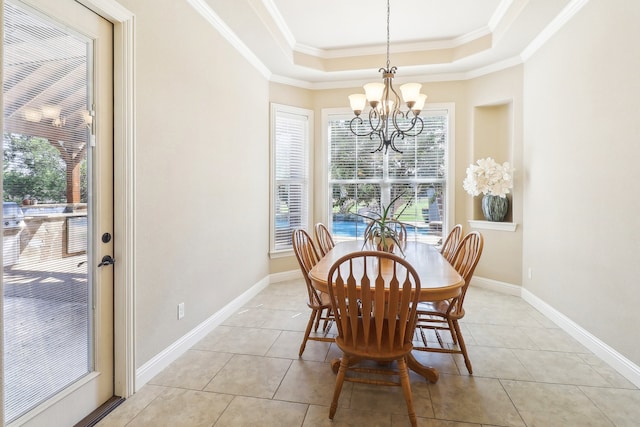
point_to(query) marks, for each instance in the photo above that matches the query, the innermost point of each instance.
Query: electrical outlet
(180, 310)
(529, 273)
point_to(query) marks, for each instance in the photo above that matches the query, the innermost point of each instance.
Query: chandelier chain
(388, 38)
(387, 121)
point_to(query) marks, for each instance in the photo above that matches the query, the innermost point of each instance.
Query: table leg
(431, 374)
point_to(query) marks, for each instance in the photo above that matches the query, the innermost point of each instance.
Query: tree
(358, 181)
(33, 167)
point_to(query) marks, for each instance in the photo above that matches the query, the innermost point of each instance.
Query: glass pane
(291, 176)
(360, 180)
(423, 156)
(421, 210)
(46, 289)
(351, 156)
(348, 202)
(290, 212)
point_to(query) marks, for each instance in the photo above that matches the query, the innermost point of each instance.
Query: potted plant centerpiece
(494, 181)
(384, 229)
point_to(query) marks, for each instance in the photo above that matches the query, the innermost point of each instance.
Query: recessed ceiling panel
(331, 24)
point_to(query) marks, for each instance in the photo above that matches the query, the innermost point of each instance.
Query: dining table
(438, 281)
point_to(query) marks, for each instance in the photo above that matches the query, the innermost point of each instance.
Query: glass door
(57, 212)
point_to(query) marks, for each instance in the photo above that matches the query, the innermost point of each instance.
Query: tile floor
(527, 372)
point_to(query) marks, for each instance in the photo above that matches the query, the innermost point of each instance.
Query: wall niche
(492, 137)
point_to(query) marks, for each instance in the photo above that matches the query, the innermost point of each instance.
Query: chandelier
(387, 121)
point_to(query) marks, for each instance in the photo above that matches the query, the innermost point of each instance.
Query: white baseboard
(179, 347)
(159, 362)
(614, 359)
(617, 361)
(285, 275)
(495, 285)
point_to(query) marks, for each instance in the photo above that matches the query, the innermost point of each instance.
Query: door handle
(106, 260)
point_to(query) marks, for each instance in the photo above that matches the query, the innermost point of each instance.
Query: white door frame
(124, 210)
(124, 191)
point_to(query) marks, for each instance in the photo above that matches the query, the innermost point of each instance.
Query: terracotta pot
(389, 244)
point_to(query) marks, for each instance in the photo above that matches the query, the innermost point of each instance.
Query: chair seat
(439, 308)
(325, 301)
(365, 305)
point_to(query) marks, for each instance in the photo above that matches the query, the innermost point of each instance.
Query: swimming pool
(356, 228)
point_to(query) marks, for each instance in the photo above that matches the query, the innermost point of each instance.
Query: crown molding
(495, 67)
(554, 26)
(412, 47)
(210, 16)
(506, 8)
(280, 23)
(292, 82)
(499, 14)
(424, 78)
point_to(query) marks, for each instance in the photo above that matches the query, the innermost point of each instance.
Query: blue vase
(494, 208)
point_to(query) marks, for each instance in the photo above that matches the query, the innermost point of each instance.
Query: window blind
(291, 174)
(361, 181)
(47, 294)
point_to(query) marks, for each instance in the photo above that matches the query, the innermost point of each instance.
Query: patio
(46, 329)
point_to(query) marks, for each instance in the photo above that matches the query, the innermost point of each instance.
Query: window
(290, 140)
(360, 181)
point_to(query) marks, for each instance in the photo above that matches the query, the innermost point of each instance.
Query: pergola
(46, 92)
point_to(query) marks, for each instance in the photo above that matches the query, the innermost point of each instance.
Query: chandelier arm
(392, 141)
(414, 121)
(396, 106)
(377, 119)
(382, 144)
(394, 120)
(358, 121)
(415, 130)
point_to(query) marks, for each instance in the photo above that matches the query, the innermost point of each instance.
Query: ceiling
(341, 43)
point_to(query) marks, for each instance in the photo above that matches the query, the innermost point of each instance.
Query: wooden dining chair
(444, 315)
(318, 302)
(324, 239)
(451, 243)
(374, 296)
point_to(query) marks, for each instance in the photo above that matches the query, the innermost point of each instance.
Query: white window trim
(323, 203)
(281, 108)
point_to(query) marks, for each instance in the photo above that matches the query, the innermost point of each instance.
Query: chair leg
(327, 322)
(463, 348)
(342, 372)
(318, 317)
(423, 336)
(406, 390)
(453, 332)
(312, 318)
(439, 338)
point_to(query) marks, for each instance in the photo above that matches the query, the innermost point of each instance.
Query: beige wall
(581, 151)
(317, 100)
(573, 139)
(201, 170)
(498, 99)
(170, 126)
(495, 115)
(571, 134)
(442, 92)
